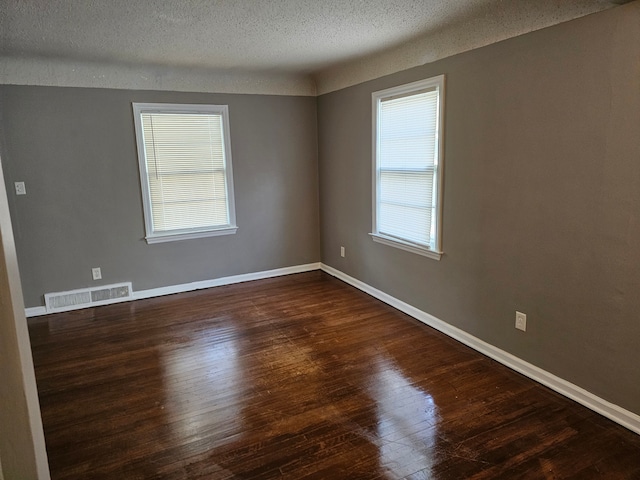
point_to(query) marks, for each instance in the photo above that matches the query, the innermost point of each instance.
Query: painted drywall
(22, 447)
(75, 150)
(60, 72)
(541, 199)
(488, 23)
(250, 46)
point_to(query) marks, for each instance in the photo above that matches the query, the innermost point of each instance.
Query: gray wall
(75, 149)
(541, 196)
(541, 199)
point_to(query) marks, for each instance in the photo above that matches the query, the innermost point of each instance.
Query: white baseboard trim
(618, 414)
(218, 282)
(35, 311)
(188, 287)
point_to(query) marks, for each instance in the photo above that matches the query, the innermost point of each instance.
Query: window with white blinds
(407, 132)
(185, 170)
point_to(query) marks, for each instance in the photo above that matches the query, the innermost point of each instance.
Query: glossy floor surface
(298, 377)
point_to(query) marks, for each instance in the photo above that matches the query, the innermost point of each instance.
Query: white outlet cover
(96, 273)
(521, 321)
(21, 189)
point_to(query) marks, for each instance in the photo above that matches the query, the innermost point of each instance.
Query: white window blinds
(186, 169)
(407, 165)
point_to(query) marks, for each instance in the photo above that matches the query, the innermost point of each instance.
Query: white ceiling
(280, 38)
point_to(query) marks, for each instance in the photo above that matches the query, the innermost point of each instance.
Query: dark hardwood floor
(298, 377)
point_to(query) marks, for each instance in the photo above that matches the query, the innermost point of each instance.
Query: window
(185, 170)
(407, 158)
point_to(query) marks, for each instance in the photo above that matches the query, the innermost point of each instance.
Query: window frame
(185, 233)
(434, 250)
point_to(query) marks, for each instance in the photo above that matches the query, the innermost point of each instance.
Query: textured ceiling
(270, 37)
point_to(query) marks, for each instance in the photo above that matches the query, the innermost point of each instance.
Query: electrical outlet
(521, 321)
(97, 273)
(20, 188)
(342, 251)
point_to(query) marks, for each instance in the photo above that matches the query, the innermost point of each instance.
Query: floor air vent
(88, 297)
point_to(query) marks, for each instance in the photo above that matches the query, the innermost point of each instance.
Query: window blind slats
(407, 166)
(175, 142)
(185, 160)
(175, 188)
(393, 220)
(191, 214)
(414, 189)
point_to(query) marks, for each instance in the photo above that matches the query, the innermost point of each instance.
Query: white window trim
(184, 234)
(376, 97)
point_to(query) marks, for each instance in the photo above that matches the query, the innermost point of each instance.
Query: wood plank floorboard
(298, 377)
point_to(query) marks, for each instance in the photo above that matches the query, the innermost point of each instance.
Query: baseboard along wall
(188, 287)
(614, 412)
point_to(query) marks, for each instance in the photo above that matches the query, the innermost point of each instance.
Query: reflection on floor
(298, 377)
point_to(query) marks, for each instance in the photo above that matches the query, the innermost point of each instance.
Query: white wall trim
(188, 287)
(35, 311)
(218, 282)
(614, 412)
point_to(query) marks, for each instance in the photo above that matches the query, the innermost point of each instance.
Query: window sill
(409, 247)
(172, 237)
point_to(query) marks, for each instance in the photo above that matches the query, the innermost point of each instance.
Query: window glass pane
(192, 214)
(409, 223)
(407, 132)
(185, 169)
(179, 142)
(407, 163)
(171, 194)
(414, 189)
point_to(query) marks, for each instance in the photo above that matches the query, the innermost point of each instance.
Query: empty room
(320, 239)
